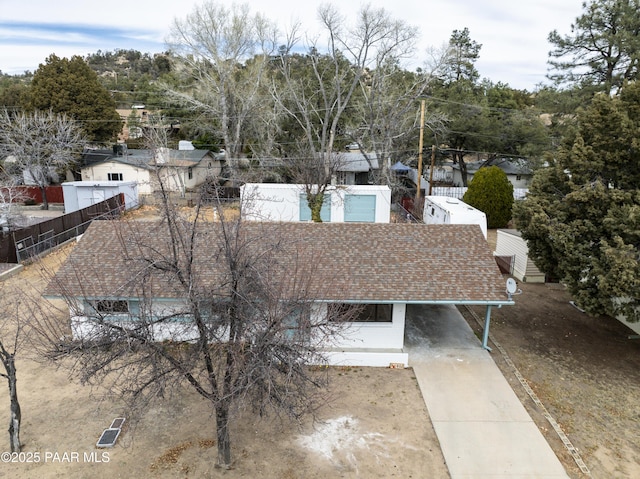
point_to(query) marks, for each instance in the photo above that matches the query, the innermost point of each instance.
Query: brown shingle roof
(368, 262)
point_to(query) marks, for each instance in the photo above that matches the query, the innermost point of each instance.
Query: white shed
(342, 204)
(509, 242)
(81, 194)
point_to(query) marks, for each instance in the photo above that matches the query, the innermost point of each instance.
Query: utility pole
(420, 146)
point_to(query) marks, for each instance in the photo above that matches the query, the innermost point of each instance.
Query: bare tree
(10, 197)
(12, 336)
(223, 306)
(318, 103)
(223, 54)
(390, 116)
(40, 144)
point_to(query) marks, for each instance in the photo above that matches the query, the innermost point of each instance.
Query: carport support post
(485, 333)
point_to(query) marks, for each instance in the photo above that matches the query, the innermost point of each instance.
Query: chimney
(120, 149)
(162, 155)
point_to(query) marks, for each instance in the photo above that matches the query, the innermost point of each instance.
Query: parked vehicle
(446, 210)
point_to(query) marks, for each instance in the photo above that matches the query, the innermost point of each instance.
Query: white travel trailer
(447, 210)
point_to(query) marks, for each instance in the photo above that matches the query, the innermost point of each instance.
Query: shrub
(491, 191)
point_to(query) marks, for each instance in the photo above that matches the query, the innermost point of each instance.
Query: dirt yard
(375, 424)
(586, 372)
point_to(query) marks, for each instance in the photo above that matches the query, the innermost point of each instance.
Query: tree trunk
(459, 158)
(463, 172)
(45, 202)
(315, 202)
(15, 415)
(224, 443)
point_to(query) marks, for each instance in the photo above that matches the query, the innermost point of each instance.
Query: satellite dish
(512, 286)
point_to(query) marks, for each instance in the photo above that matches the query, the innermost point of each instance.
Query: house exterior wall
(361, 344)
(372, 335)
(183, 178)
(510, 244)
(101, 171)
(208, 167)
(282, 202)
(175, 178)
(82, 327)
(172, 178)
(518, 181)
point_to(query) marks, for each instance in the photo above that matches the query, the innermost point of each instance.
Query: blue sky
(513, 34)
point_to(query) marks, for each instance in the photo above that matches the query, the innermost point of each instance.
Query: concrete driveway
(483, 428)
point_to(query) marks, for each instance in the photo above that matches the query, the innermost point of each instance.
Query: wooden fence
(25, 243)
(54, 193)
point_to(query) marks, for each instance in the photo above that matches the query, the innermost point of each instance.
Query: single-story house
(355, 167)
(382, 266)
(180, 170)
(509, 243)
(351, 167)
(518, 171)
(287, 202)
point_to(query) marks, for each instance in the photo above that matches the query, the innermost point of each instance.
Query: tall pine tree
(581, 218)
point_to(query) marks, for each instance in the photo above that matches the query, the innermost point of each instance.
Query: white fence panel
(459, 191)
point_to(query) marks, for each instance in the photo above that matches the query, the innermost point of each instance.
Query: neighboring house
(352, 167)
(517, 170)
(180, 170)
(509, 243)
(134, 119)
(441, 174)
(383, 267)
(355, 167)
(285, 202)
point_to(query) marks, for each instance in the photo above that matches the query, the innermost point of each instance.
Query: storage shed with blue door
(342, 204)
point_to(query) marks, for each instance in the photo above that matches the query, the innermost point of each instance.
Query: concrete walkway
(483, 428)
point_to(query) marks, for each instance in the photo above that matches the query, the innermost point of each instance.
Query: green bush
(491, 191)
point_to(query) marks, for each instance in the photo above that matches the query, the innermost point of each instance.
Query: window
(297, 324)
(190, 173)
(366, 313)
(111, 306)
(114, 176)
(518, 177)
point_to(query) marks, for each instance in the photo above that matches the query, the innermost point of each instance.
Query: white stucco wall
(359, 344)
(100, 172)
(281, 202)
(85, 326)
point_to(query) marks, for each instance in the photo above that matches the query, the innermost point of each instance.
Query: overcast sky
(513, 33)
